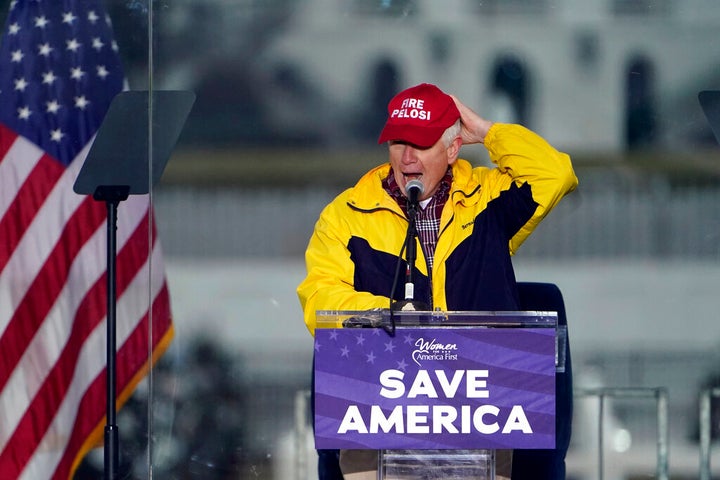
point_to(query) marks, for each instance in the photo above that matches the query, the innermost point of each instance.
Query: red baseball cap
(419, 115)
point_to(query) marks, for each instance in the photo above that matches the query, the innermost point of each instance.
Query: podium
(436, 393)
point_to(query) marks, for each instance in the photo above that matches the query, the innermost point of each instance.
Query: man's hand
(474, 127)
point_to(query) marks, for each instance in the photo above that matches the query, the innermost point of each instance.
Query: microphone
(414, 189)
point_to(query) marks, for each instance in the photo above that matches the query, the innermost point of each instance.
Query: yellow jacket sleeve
(329, 284)
(524, 157)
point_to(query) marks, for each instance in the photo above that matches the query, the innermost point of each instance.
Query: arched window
(384, 84)
(509, 90)
(640, 117)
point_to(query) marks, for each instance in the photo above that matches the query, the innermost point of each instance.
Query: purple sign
(435, 388)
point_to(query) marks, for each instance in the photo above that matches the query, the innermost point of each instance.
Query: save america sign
(435, 388)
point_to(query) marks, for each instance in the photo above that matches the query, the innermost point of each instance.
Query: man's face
(428, 165)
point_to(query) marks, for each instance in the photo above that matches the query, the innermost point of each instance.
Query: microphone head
(414, 189)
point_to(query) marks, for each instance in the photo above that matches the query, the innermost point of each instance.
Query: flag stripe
(39, 239)
(37, 301)
(45, 346)
(26, 203)
(43, 292)
(7, 137)
(34, 424)
(130, 365)
(14, 147)
(30, 372)
(162, 334)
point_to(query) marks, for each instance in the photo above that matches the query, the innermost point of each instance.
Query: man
(469, 223)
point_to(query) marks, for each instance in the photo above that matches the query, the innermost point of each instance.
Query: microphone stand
(414, 190)
(409, 303)
(411, 251)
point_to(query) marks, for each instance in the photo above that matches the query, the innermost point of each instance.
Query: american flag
(59, 71)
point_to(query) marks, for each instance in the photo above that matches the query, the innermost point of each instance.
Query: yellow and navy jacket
(352, 256)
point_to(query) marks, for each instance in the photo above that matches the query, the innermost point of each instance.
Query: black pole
(112, 458)
(112, 195)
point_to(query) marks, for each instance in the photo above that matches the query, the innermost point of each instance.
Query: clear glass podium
(442, 463)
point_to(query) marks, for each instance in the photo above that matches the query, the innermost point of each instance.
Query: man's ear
(454, 150)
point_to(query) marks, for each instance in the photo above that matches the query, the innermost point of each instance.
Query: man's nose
(408, 155)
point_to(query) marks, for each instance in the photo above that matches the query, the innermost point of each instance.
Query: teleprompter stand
(128, 156)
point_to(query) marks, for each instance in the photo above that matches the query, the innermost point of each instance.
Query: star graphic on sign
(333, 335)
(360, 339)
(408, 339)
(389, 346)
(317, 346)
(401, 365)
(370, 357)
(345, 352)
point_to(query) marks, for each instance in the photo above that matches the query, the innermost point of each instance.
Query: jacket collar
(465, 184)
(369, 194)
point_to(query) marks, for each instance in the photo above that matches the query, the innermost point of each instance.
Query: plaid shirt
(427, 222)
